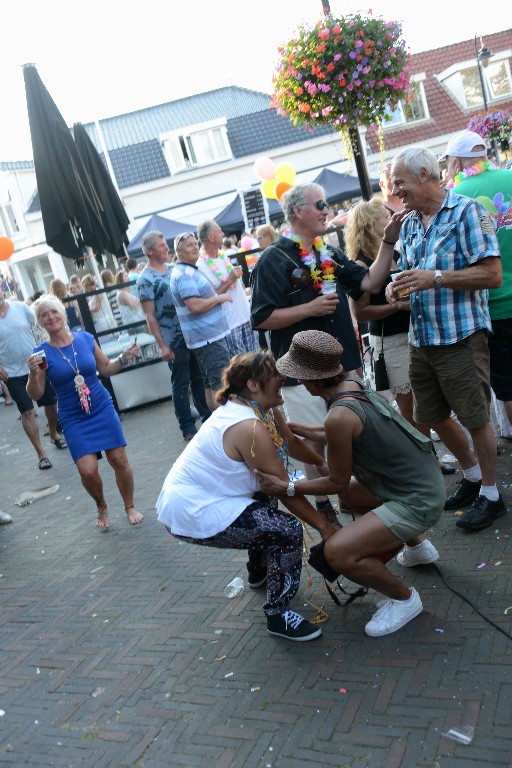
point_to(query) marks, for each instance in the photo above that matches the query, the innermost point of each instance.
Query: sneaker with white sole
(422, 554)
(292, 626)
(393, 615)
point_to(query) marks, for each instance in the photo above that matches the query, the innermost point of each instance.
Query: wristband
(388, 242)
(120, 360)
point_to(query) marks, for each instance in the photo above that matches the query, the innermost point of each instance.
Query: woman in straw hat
(366, 439)
(211, 496)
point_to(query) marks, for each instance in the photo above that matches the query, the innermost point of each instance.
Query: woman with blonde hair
(59, 289)
(71, 362)
(129, 306)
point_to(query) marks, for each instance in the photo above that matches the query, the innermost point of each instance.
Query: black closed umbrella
(113, 215)
(70, 207)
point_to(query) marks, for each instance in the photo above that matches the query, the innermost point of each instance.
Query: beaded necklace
(319, 274)
(268, 420)
(216, 268)
(473, 170)
(81, 387)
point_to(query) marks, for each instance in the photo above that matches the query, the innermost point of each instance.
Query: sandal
(59, 443)
(44, 463)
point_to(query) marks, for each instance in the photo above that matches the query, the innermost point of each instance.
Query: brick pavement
(120, 649)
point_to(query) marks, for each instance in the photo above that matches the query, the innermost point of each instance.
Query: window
(197, 146)
(8, 223)
(409, 110)
(463, 82)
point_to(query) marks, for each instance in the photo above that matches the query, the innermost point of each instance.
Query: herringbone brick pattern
(120, 649)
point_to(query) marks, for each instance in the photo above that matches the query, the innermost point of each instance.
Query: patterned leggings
(274, 540)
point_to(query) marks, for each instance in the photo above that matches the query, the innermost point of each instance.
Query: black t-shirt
(272, 289)
(393, 324)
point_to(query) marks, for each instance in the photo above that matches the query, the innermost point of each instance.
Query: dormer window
(9, 226)
(196, 146)
(462, 81)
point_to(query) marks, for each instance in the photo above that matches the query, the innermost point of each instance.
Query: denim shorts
(18, 389)
(213, 357)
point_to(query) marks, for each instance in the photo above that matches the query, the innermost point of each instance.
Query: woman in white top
(130, 308)
(211, 496)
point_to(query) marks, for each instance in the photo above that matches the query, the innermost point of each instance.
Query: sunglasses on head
(320, 205)
(179, 238)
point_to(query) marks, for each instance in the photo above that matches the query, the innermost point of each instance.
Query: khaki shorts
(303, 408)
(450, 378)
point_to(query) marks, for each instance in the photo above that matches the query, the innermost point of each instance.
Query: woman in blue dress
(86, 410)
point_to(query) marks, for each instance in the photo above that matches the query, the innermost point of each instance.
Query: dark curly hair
(259, 366)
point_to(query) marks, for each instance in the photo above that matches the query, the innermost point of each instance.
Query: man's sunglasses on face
(320, 205)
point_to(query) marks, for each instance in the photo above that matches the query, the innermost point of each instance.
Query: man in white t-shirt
(216, 265)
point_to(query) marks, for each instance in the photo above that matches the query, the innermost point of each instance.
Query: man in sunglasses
(289, 293)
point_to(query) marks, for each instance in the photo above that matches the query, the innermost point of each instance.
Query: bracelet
(120, 360)
(388, 242)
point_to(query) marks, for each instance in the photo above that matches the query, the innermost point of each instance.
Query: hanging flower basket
(493, 124)
(342, 72)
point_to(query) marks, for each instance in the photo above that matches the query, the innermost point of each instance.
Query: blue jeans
(185, 375)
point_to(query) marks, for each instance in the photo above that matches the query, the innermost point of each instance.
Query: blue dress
(98, 430)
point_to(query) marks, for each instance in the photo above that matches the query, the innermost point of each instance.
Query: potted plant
(494, 124)
(344, 72)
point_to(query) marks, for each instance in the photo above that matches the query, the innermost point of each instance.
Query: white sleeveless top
(205, 490)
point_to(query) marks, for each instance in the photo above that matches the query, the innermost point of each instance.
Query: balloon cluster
(6, 248)
(277, 179)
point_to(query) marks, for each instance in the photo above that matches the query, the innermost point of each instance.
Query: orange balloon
(268, 189)
(6, 248)
(281, 188)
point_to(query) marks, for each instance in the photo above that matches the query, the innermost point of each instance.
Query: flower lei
(215, 269)
(473, 170)
(268, 420)
(319, 275)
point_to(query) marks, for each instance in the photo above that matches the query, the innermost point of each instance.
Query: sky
(104, 58)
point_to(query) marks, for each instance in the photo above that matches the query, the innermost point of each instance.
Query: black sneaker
(466, 493)
(481, 514)
(292, 626)
(257, 577)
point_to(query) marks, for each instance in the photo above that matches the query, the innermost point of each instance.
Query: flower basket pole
(355, 143)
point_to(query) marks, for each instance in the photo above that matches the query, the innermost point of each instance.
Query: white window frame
(451, 80)
(399, 119)
(197, 146)
(9, 224)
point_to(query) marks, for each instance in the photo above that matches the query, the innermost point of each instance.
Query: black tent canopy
(340, 186)
(157, 223)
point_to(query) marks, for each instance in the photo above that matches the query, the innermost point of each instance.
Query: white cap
(465, 145)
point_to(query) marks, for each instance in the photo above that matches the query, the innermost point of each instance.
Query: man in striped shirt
(450, 256)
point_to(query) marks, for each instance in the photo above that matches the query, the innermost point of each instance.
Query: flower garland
(473, 170)
(268, 420)
(319, 275)
(216, 268)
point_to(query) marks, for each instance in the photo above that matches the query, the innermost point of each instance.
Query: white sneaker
(393, 615)
(421, 554)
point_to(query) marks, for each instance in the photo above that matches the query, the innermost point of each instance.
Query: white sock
(473, 474)
(490, 492)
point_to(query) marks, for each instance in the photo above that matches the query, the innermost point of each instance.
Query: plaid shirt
(199, 328)
(460, 234)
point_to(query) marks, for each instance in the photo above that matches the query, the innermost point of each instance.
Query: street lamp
(482, 59)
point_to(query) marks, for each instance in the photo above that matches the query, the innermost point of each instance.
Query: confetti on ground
(481, 565)
(221, 658)
(458, 514)
(438, 629)
(343, 690)
(499, 562)
(507, 610)
(255, 688)
(229, 674)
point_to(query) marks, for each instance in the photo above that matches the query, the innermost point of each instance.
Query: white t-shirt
(205, 491)
(238, 311)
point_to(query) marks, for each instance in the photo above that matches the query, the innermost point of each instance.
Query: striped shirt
(198, 328)
(460, 234)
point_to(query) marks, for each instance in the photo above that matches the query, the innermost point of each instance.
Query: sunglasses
(179, 238)
(320, 205)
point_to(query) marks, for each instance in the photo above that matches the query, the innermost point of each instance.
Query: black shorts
(500, 349)
(18, 389)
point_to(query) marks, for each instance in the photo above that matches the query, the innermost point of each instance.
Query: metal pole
(494, 143)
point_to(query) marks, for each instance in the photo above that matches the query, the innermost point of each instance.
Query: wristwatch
(290, 491)
(438, 278)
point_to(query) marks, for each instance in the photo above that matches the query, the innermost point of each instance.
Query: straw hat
(313, 355)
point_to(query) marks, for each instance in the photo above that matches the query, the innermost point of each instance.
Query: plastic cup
(43, 364)
(404, 293)
(328, 287)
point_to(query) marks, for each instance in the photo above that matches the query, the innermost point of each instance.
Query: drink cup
(42, 363)
(328, 287)
(404, 293)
